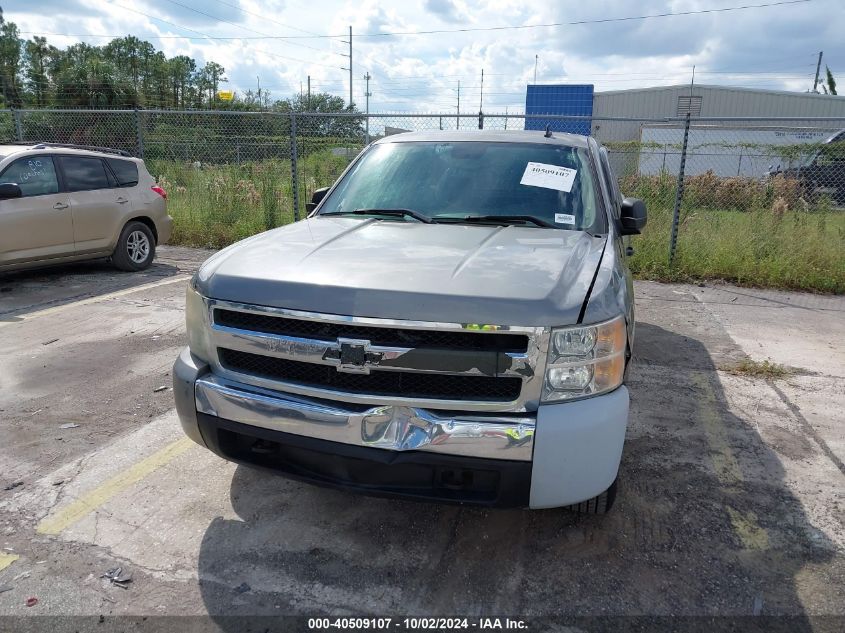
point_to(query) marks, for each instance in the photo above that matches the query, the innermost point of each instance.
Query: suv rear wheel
(135, 248)
(600, 504)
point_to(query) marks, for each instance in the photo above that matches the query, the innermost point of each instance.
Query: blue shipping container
(570, 100)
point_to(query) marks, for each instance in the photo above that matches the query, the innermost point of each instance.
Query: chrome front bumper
(392, 427)
(575, 458)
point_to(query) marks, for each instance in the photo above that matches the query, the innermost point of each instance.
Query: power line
(628, 18)
(240, 26)
(597, 21)
(263, 17)
(211, 37)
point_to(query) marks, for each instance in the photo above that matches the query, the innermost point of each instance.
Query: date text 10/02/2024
(417, 624)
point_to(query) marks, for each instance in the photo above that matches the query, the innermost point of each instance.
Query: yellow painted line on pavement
(89, 300)
(89, 502)
(724, 463)
(6, 560)
(745, 525)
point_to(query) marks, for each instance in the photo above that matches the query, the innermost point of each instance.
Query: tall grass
(734, 229)
(728, 232)
(798, 250)
(215, 205)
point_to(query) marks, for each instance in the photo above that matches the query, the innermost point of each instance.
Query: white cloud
(767, 47)
(447, 10)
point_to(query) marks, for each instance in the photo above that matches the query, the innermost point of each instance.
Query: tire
(136, 247)
(598, 505)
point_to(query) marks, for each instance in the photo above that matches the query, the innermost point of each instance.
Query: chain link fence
(752, 190)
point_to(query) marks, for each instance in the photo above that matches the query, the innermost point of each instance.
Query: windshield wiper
(390, 212)
(498, 219)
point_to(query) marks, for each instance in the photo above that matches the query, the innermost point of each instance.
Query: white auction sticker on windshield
(548, 176)
(564, 218)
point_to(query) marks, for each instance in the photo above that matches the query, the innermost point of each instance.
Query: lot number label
(548, 176)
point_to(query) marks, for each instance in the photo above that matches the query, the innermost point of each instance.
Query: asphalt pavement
(731, 501)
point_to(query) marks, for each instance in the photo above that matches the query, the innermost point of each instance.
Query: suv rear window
(125, 171)
(84, 174)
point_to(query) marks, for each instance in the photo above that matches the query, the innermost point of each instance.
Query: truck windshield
(472, 181)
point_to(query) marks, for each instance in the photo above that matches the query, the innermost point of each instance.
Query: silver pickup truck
(452, 322)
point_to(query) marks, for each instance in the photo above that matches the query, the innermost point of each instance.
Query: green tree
(130, 56)
(38, 55)
(158, 93)
(10, 59)
(209, 79)
(324, 102)
(831, 82)
(181, 71)
(94, 84)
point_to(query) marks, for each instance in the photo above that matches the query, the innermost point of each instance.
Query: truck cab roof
(489, 136)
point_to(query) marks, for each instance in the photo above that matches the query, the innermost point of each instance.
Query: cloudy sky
(274, 41)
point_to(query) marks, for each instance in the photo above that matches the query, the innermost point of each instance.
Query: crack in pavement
(793, 408)
(808, 428)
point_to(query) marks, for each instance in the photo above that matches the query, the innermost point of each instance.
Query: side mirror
(633, 216)
(10, 190)
(316, 197)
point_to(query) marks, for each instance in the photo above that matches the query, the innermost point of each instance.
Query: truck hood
(503, 275)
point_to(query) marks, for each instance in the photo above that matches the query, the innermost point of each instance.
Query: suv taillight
(159, 191)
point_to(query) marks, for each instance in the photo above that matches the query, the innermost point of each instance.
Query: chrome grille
(379, 361)
(392, 337)
(379, 383)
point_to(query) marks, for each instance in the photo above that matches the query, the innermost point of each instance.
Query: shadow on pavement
(26, 291)
(704, 525)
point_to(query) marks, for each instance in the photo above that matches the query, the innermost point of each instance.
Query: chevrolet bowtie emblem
(352, 356)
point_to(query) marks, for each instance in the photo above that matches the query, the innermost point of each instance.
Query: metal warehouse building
(644, 128)
(702, 101)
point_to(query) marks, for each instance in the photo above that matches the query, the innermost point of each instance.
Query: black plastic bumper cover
(410, 474)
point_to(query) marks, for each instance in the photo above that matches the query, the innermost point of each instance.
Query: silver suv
(63, 203)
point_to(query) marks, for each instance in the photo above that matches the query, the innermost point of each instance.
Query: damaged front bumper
(407, 451)
(395, 428)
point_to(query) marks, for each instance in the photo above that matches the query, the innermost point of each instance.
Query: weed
(758, 369)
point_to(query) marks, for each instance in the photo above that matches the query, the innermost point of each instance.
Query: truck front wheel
(600, 504)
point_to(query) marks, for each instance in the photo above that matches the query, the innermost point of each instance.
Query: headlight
(196, 321)
(585, 360)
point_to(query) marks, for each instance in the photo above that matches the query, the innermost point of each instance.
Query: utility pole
(308, 105)
(350, 66)
(458, 122)
(259, 92)
(367, 95)
(481, 104)
(536, 59)
(818, 67)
